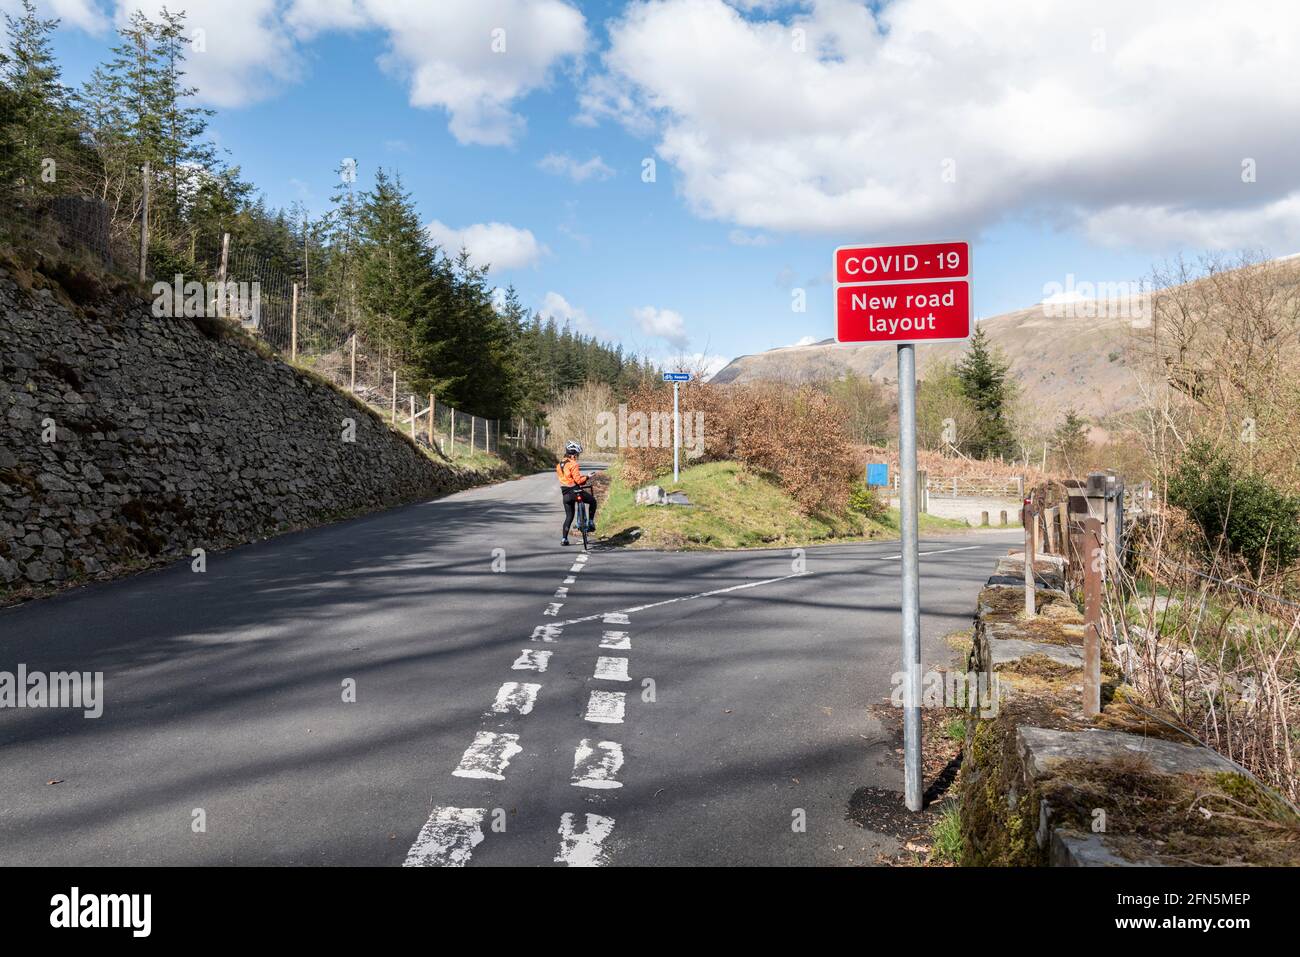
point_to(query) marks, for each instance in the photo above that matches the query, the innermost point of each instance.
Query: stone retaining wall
(1042, 784)
(131, 440)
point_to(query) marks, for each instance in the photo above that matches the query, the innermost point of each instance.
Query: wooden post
(394, 400)
(1004, 517)
(144, 227)
(984, 519)
(352, 383)
(223, 274)
(431, 420)
(1094, 560)
(293, 327)
(412, 415)
(1027, 520)
(1063, 516)
(451, 435)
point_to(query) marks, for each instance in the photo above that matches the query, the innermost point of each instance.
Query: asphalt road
(225, 737)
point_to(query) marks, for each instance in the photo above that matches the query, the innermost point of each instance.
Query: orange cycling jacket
(570, 474)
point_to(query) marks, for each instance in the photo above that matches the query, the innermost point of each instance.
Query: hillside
(1059, 362)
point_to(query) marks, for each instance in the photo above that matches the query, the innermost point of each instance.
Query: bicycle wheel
(582, 523)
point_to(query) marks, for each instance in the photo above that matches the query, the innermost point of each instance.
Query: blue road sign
(677, 377)
(878, 474)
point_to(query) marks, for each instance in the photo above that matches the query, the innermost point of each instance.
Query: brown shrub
(794, 436)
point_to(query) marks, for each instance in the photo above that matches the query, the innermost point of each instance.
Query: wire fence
(276, 306)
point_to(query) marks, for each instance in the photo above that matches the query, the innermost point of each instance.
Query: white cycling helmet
(572, 448)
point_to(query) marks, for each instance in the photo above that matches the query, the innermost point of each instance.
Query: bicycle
(581, 516)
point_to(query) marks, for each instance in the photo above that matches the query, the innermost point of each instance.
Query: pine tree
(984, 382)
(1070, 440)
(38, 121)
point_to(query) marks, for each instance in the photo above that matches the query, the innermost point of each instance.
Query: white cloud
(1150, 119)
(498, 245)
(663, 323)
(562, 164)
(555, 306)
(444, 51)
(84, 14)
(243, 53)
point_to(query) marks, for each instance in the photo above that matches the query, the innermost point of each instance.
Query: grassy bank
(735, 507)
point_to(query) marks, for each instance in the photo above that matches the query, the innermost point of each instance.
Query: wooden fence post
(394, 400)
(293, 327)
(430, 420)
(223, 274)
(412, 415)
(1093, 561)
(144, 229)
(1027, 520)
(352, 383)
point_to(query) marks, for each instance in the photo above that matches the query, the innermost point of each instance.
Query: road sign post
(905, 295)
(676, 378)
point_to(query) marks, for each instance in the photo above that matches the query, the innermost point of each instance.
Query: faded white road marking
(616, 640)
(575, 568)
(561, 593)
(611, 669)
(570, 580)
(546, 632)
(448, 838)
(553, 608)
(516, 697)
(939, 551)
(596, 764)
(532, 659)
(488, 756)
(606, 707)
(584, 849)
(668, 601)
(582, 559)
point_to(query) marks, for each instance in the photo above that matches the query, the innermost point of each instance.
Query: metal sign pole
(911, 604)
(677, 432)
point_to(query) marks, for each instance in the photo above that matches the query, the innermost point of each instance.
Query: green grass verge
(734, 507)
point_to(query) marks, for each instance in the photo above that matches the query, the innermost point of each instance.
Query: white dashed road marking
(553, 608)
(616, 641)
(596, 764)
(546, 632)
(584, 849)
(606, 707)
(448, 838)
(611, 669)
(561, 593)
(532, 659)
(570, 580)
(515, 697)
(488, 756)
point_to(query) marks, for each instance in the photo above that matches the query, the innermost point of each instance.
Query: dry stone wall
(130, 439)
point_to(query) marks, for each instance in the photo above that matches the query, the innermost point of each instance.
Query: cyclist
(574, 487)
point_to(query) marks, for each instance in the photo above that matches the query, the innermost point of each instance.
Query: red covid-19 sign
(913, 293)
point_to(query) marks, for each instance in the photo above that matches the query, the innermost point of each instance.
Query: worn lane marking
(606, 707)
(616, 640)
(488, 756)
(611, 669)
(532, 659)
(940, 551)
(553, 608)
(585, 848)
(596, 764)
(561, 593)
(620, 617)
(448, 838)
(515, 697)
(570, 580)
(576, 568)
(546, 632)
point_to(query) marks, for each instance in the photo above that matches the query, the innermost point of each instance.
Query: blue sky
(1068, 159)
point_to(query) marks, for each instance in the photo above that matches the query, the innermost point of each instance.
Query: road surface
(692, 706)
